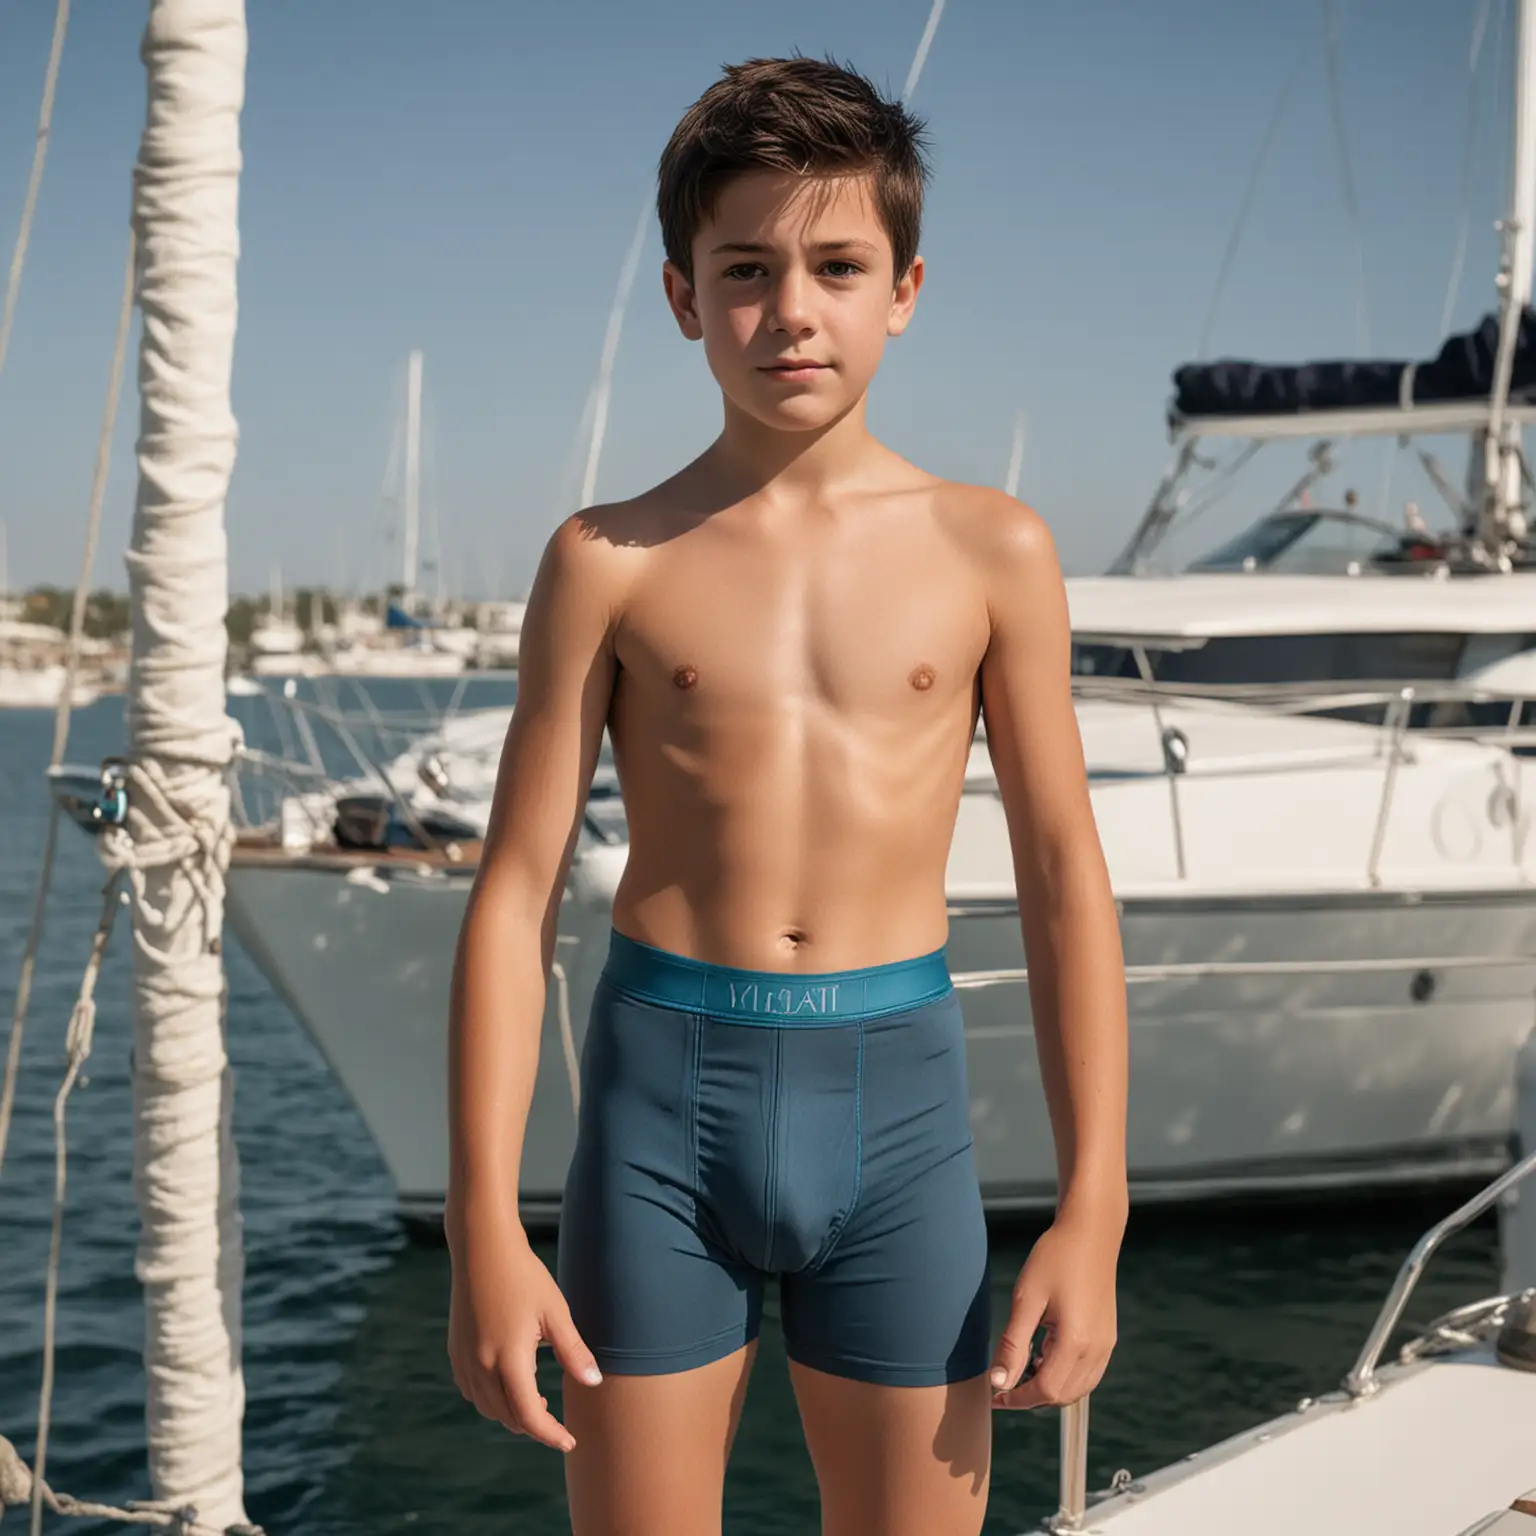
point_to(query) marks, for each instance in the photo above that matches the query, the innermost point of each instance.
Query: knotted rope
(18, 1487)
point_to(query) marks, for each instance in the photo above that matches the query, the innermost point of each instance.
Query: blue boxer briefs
(737, 1125)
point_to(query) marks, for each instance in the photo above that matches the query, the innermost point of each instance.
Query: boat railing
(1310, 698)
(1361, 1382)
(1394, 706)
(322, 743)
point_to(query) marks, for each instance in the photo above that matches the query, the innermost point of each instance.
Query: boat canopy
(1462, 370)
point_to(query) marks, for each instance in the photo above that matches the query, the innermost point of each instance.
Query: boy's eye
(842, 269)
(744, 271)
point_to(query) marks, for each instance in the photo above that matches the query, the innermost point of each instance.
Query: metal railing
(1361, 1381)
(363, 743)
(1396, 703)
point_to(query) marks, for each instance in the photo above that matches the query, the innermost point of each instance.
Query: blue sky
(463, 177)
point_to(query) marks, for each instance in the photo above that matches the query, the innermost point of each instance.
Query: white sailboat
(408, 647)
(277, 642)
(32, 670)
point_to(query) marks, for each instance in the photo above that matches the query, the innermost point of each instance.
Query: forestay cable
(35, 178)
(1468, 150)
(61, 716)
(1333, 21)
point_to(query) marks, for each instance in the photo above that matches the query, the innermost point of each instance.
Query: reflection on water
(353, 1423)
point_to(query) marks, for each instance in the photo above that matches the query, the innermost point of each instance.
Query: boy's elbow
(510, 895)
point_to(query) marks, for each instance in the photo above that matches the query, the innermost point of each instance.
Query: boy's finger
(569, 1349)
(533, 1420)
(1063, 1377)
(490, 1400)
(1012, 1353)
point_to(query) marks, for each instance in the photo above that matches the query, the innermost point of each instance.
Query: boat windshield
(1309, 542)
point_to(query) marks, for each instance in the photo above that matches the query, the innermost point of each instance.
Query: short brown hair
(806, 116)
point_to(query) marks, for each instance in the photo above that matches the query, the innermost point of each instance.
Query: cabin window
(1229, 659)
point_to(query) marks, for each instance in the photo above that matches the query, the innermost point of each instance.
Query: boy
(789, 642)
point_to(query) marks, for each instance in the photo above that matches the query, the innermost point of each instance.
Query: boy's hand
(1067, 1285)
(504, 1304)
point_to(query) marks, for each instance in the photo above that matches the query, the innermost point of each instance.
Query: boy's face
(793, 295)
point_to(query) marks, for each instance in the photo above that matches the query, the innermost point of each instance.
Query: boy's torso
(794, 706)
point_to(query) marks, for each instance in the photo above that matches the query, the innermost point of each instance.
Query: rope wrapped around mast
(175, 844)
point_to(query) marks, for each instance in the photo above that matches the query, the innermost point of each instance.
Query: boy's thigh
(897, 1461)
(651, 1450)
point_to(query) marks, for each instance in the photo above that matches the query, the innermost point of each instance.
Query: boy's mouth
(795, 368)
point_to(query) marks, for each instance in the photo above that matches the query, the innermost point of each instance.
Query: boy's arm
(1076, 972)
(504, 1300)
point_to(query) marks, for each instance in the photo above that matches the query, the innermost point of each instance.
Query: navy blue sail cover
(1461, 370)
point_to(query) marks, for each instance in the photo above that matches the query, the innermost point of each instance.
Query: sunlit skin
(790, 642)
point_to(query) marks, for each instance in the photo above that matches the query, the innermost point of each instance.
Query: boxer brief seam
(693, 1116)
(843, 1222)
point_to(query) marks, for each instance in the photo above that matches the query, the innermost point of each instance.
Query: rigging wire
(1210, 494)
(1245, 207)
(1333, 20)
(66, 691)
(1468, 150)
(35, 178)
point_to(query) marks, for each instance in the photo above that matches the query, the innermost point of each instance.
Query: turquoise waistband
(773, 997)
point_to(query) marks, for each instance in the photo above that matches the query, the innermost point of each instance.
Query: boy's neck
(754, 459)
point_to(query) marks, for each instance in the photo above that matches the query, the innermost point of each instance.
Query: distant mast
(411, 540)
(1501, 516)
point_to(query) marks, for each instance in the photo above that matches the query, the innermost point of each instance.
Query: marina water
(353, 1424)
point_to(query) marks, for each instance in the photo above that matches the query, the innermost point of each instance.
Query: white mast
(412, 536)
(1501, 515)
(176, 841)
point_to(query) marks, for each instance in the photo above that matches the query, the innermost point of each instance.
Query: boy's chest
(901, 629)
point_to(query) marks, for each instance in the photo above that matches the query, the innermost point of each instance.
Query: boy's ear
(683, 301)
(904, 299)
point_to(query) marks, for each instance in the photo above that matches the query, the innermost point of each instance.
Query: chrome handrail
(301, 709)
(1362, 1381)
(1074, 1468)
(1398, 715)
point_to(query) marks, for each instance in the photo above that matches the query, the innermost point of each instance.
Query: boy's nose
(790, 306)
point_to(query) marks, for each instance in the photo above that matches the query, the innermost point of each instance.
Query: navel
(922, 677)
(685, 676)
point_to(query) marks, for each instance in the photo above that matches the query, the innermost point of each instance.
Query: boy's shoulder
(608, 530)
(997, 530)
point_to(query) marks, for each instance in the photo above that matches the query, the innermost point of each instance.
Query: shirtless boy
(789, 642)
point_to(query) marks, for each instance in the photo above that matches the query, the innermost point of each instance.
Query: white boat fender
(369, 878)
(1517, 1210)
